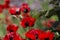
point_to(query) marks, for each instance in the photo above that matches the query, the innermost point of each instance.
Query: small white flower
(57, 33)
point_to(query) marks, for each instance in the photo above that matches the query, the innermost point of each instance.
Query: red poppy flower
(25, 8)
(1, 8)
(27, 21)
(12, 36)
(33, 34)
(48, 23)
(14, 11)
(12, 28)
(7, 1)
(46, 36)
(6, 6)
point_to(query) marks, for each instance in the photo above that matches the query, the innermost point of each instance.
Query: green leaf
(35, 14)
(1, 34)
(21, 31)
(2, 15)
(30, 2)
(1, 1)
(38, 24)
(2, 29)
(15, 20)
(54, 17)
(45, 5)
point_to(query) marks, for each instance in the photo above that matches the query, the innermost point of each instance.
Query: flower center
(26, 24)
(17, 12)
(11, 30)
(25, 10)
(29, 39)
(11, 38)
(46, 38)
(36, 36)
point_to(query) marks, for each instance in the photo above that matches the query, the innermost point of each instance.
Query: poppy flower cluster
(24, 9)
(27, 20)
(12, 35)
(35, 34)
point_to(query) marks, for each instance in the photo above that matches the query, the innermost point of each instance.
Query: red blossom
(36, 34)
(14, 11)
(6, 4)
(48, 23)
(1, 8)
(25, 9)
(12, 36)
(27, 21)
(33, 34)
(12, 28)
(46, 36)
(7, 1)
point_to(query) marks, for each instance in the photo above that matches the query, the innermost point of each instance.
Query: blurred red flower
(7, 1)
(25, 9)
(6, 4)
(12, 36)
(1, 8)
(33, 34)
(46, 36)
(27, 21)
(48, 23)
(36, 34)
(12, 28)
(14, 11)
